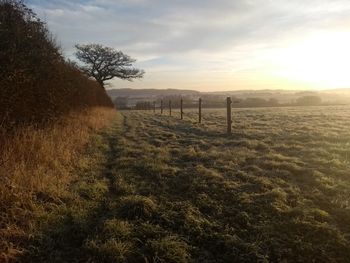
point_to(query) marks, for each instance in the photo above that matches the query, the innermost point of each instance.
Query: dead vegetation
(36, 167)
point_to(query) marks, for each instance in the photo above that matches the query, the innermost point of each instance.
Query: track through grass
(157, 189)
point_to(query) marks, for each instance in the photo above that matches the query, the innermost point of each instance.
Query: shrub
(36, 84)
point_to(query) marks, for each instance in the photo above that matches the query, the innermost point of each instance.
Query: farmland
(154, 188)
(83, 182)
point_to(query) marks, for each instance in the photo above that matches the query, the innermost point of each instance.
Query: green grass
(157, 189)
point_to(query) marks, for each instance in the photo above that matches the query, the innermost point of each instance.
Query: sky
(213, 45)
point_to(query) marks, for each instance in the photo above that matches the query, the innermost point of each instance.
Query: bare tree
(105, 63)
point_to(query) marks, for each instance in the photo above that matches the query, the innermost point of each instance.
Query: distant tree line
(309, 101)
(37, 85)
(143, 105)
(121, 103)
(216, 101)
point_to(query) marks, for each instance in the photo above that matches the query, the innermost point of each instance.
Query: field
(156, 188)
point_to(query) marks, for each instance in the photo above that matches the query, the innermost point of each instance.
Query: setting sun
(321, 60)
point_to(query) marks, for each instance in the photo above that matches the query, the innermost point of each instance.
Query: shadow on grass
(67, 228)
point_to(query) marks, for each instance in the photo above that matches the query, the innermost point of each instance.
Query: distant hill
(143, 93)
(335, 96)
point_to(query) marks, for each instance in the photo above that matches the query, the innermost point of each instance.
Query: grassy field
(154, 188)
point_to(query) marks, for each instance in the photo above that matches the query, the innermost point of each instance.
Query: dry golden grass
(37, 165)
(154, 188)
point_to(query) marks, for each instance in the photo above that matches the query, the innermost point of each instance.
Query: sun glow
(321, 60)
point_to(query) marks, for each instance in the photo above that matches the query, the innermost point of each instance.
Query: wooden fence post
(161, 107)
(200, 110)
(181, 109)
(154, 107)
(170, 107)
(229, 119)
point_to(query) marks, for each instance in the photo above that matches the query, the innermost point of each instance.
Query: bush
(36, 84)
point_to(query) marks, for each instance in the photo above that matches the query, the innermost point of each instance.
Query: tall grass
(36, 165)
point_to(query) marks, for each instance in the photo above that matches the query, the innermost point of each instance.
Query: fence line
(152, 106)
(228, 110)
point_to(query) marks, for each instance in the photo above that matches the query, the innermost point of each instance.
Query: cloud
(190, 35)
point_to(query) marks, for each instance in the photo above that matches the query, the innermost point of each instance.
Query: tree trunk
(100, 82)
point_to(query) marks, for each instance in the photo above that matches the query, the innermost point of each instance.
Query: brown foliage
(36, 84)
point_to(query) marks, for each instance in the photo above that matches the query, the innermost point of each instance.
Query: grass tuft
(137, 207)
(169, 249)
